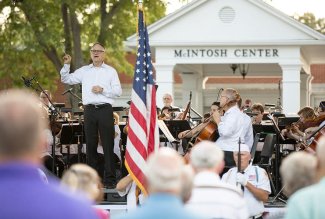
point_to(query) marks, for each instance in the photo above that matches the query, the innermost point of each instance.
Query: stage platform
(116, 205)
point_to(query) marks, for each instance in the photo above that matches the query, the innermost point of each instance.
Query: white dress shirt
(104, 76)
(248, 134)
(230, 129)
(258, 178)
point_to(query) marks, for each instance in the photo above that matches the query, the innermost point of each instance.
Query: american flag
(143, 134)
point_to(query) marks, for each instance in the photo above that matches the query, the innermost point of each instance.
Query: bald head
(20, 125)
(164, 171)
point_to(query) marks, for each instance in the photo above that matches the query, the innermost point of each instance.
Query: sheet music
(166, 131)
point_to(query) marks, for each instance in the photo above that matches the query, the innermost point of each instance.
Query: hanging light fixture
(243, 69)
(233, 67)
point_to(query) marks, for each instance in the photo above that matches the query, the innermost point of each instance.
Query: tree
(35, 34)
(310, 20)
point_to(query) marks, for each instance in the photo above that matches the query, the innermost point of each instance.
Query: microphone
(67, 91)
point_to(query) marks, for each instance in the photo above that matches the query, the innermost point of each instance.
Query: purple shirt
(23, 194)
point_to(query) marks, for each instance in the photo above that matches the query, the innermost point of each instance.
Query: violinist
(296, 131)
(230, 125)
(313, 126)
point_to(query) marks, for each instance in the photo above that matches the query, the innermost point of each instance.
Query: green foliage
(310, 20)
(33, 39)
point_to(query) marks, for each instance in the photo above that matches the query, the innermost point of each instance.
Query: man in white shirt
(100, 85)
(254, 181)
(212, 198)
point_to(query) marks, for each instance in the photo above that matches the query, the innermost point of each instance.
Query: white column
(305, 89)
(290, 87)
(193, 82)
(165, 81)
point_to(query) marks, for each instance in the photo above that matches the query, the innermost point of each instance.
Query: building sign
(226, 53)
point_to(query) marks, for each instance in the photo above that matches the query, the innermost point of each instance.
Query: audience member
(212, 198)
(187, 183)
(164, 179)
(298, 170)
(84, 180)
(24, 194)
(307, 202)
(253, 180)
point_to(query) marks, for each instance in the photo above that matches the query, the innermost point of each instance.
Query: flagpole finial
(140, 4)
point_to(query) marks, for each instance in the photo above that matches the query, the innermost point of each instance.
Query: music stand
(177, 126)
(73, 134)
(277, 156)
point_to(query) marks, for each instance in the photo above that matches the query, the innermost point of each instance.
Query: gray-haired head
(206, 155)
(164, 171)
(298, 170)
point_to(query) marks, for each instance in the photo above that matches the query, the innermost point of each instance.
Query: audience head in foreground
(212, 198)
(298, 170)
(306, 203)
(164, 183)
(21, 142)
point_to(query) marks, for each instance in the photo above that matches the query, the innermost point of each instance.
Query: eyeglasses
(96, 51)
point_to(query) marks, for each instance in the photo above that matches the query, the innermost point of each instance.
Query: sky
(290, 7)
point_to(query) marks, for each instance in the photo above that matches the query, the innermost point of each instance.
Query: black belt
(97, 106)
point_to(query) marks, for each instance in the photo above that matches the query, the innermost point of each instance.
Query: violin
(313, 122)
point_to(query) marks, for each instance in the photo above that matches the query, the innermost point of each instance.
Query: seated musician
(318, 122)
(257, 109)
(190, 133)
(295, 131)
(169, 111)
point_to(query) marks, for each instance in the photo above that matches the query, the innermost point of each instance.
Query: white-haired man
(212, 198)
(164, 179)
(254, 181)
(21, 140)
(309, 202)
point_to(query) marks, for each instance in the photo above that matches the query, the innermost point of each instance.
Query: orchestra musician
(247, 134)
(230, 126)
(295, 131)
(190, 133)
(257, 109)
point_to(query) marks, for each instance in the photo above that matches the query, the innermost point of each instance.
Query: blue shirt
(308, 202)
(160, 206)
(23, 194)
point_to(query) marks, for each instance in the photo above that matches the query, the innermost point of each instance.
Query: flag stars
(137, 71)
(148, 54)
(150, 72)
(138, 54)
(137, 78)
(144, 88)
(138, 62)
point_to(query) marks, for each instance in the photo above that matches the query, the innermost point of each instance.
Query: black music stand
(177, 126)
(73, 134)
(277, 158)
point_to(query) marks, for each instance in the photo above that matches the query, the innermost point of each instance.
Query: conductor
(100, 86)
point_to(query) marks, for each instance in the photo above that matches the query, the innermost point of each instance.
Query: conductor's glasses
(97, 51)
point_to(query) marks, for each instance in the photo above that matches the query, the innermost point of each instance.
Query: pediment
(228, 22)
